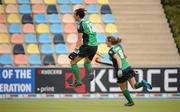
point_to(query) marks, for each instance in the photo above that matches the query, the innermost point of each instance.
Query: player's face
(75, 16)
(108, 43)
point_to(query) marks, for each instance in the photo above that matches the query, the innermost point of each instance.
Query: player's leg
(126, 93)
(134, 84)
(88, 67)
(75, 70)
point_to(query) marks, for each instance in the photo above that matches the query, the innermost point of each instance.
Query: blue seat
(18, 49)
(65, 9)
(23, 1)
(51, 9)
(14, 28)
(44, 39)
(24, 9)
(40, 18)
(48, 60)
(27, 18)
(30, 39)
(101, 38)
(76, 1)
(5, 59)
(56, 29)
(58, 39)
(34, 60)
(92, 9)
(108, 18)
(106, 58)
(46, 49)
(63, 1)
(54, 18)
(105, 9)
(61, 49)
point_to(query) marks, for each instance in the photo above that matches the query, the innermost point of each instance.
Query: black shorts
(87, 51)
(126, 74)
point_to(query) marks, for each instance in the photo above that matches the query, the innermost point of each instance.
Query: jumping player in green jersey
(86, 46)
(126, 74)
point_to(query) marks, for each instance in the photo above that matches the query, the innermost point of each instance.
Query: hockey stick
(97, 60)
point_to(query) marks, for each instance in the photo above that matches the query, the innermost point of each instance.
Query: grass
(88, 106)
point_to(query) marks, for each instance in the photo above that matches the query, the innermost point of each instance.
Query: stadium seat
(42, 28)
(92, 9)
(99, 28)
(38, 9)
(11, 8)
(76, 2)
(106, 58)
(2, 19)
(108, 18)
(72, 38)
(67, 18)
(50, 2)
(24, 9)
(0, 2)
(1, 9)
(20, 60)
(58, 39)
(28, 28)
(103, 49)
(102, 2)
(4, 38)
(23, 1)
(48, 60)
(111, 28)
(5, 60)
(44, 39)
(13, 18)
(5, 49)
(65, 9)
(90, 1)
(15, 28)
(56, 29)
(70, 28)
(78, 6)
(37, 1)
(27, 18)
(3, 28)
(46, 49)
(18, 49)
(63, 60)
(51, 9)
(101, 38)
(63, 1)
(105, 9)
(95, 18)
(32, 49)
(30, 39)
(10, 1)
(40, 18)
(34, 60)
(61, 49)
(17, 39)
(54, 18)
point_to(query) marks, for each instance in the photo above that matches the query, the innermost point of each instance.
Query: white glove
(119, 73)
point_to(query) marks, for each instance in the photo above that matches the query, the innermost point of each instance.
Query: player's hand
(74, 54)
(119, 73)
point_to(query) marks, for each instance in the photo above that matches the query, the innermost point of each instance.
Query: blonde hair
(113, 40)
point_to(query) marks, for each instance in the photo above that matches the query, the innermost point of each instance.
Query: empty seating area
(43, 32)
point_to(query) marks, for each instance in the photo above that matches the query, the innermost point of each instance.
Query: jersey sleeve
(111, 52)
(80, 28)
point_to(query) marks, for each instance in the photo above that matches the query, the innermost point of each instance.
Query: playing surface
(88, 106)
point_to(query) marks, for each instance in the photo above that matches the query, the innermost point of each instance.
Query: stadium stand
(43, 32)
(146, 35)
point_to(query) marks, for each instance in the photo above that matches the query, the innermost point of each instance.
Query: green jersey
(89, 35)
(117, 49)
